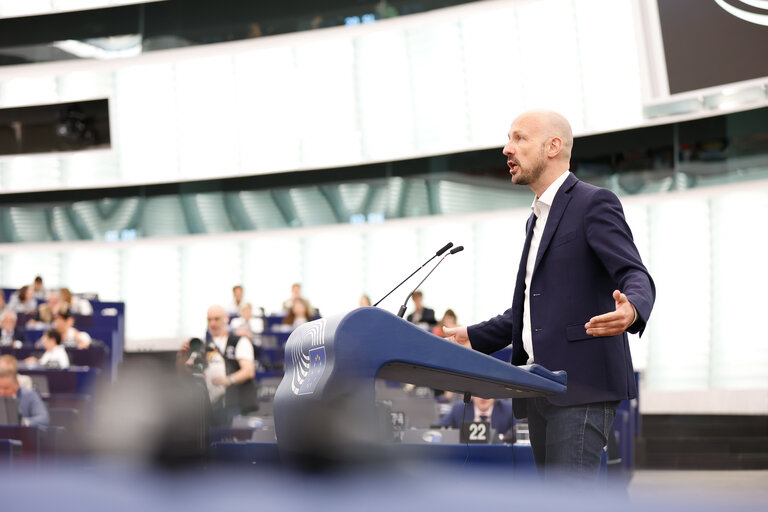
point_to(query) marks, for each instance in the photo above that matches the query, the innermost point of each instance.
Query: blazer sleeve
(34, 410)
(492, 335)
(609, 236)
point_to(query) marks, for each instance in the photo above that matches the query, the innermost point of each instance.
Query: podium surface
(331, 365)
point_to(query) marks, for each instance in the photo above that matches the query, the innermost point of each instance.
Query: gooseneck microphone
(438, 253)
(403, 307)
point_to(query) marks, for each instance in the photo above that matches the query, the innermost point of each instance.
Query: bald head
(539, 149)
(553, 125)
(217, 320)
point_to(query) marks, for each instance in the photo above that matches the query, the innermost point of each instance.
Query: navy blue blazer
(586, 252)
(502, 418)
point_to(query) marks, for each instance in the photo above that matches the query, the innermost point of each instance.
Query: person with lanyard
(229, 369)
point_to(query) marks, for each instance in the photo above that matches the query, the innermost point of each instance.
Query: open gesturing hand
(615, 322)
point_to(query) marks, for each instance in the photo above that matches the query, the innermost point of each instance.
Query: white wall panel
(208, 273)
(144, 123)
(206, 113)
(680, 265)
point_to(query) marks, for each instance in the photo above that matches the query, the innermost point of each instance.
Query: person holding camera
(227, 364)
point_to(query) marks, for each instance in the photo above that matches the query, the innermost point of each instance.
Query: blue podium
(326, 400)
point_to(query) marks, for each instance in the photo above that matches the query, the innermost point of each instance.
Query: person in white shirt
(236, 305)
(229, 371)
(247, 324)
(70, 337)
(55, 355)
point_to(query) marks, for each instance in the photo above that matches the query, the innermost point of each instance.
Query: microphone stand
(438, 253)
(403, 307)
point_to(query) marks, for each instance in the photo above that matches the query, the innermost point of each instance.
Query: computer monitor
(40, 384)
(9, 411)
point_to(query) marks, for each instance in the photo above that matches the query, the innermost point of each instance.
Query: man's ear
(554, 146)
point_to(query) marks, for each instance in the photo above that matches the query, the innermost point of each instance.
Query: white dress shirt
(540, 207)
(57, 357)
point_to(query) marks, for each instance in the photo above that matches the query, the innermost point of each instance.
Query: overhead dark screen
(58, 127)
(705, 45)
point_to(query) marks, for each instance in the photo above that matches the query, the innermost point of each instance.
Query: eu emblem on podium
(316, 367)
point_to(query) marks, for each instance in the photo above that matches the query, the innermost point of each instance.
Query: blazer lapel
(562, 198)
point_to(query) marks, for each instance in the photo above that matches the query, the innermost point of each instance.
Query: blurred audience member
(449, 320)
(229, 369)
(247, 324)
(298, 314)
(21, 301)
(423, 317)
(76, 305)
(3, 304)
(364, 301)
(31, 407)
(70, 337)
(296, 294)
(47, 311)
(10, 333)
(497, 412)
(234, 307)
(384, 10)
(9, 361)
(38, 290)
(55, 355)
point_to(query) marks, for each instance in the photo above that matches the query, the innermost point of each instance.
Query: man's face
(525, 153)
(482, 404)
(217, 322)
(8, 386)
(238, 293)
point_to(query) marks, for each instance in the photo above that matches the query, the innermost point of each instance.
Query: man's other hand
(457, 335)
(615, 322)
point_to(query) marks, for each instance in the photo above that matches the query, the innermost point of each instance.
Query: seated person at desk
(247, 324)
(38, 290)
(298, 314)
(449, 320)
(422, 316)
(21, 301)
(31, 407)
(55, 355)
(77, 305)
(296, 295)
(70, 337)
(238, 301)
(498, 412)
(10, 333)
(47, 311)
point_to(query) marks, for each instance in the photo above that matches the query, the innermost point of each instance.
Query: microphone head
(441, 251)
(457, 249)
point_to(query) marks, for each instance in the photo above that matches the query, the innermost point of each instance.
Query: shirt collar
(549, 195)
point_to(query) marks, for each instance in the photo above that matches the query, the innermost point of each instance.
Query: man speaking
(581, 285)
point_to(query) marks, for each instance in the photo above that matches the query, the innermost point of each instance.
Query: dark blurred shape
(75, 127)
(55, 127)
(152, 416)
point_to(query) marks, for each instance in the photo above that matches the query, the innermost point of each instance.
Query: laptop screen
(9, 411)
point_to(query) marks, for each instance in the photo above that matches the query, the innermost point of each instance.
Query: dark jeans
(568, 441)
